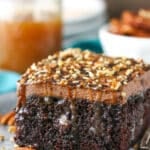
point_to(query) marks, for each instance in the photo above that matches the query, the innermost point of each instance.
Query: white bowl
(120, 45)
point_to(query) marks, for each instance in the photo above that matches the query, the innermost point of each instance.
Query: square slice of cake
(79, 100)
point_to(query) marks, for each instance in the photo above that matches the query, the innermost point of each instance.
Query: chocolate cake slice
(79, 100)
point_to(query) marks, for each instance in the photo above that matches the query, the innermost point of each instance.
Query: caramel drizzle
(21, 93)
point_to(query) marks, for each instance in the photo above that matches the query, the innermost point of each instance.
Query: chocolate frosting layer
(46, 89)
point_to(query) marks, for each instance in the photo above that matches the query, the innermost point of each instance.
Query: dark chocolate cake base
(48, 123)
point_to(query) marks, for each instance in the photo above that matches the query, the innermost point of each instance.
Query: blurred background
(32, 29)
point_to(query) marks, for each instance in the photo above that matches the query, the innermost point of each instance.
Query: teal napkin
(8, 81)
(91, 44)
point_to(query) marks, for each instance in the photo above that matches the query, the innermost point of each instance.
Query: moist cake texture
(82, 100)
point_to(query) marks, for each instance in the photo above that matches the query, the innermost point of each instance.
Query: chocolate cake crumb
(62, 124)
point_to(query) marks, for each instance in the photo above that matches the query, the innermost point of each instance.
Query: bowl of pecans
(128, 36)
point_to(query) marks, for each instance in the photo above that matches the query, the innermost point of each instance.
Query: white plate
(82, 16)
(84, 27)
(76, 11)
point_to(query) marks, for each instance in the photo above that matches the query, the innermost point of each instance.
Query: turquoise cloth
(8, 79)
(91, 44)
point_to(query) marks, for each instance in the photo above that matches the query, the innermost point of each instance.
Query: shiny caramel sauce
(25, 42)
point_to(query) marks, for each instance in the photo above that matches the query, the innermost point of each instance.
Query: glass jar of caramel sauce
(29, 31)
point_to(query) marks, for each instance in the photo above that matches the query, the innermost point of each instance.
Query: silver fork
(145, 142)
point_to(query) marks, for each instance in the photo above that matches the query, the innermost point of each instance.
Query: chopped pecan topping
(84, 69)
